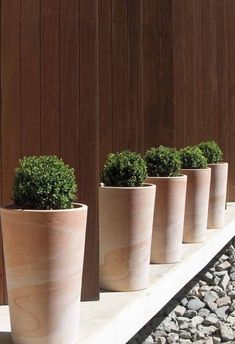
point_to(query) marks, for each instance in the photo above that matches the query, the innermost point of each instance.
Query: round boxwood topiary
(163, 162)
(211, 152)
(192, 157)
(124, 169)
(44, 182)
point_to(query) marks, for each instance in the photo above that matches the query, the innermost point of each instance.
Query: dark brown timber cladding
(81, 78)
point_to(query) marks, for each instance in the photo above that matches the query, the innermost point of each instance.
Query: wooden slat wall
(82, 78)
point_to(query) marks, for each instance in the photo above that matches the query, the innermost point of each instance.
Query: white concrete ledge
(119, 315)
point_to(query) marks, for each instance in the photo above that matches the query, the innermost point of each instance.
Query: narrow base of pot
(194, 240)
(167, 259)
(215, 226)
(123, 288)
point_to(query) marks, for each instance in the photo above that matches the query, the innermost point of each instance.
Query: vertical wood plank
(10, 107)
(151, 81)
(190, 131)
(179, 73)
(105, 80)
(89, 142)
(69, 82)
(199, 113)
(231, 41)
(223, 77)
(165, 117)
(135, 74)
(30, 77)
(210, 94)
(50, 77)
(121, 118)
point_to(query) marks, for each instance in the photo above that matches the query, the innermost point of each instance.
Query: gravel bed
(203, 312)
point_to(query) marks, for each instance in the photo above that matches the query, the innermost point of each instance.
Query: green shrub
(163, 162)
(192, 157)
(124, 169)
(211, 152)
(44, 182)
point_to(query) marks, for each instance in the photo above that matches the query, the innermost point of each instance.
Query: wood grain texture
(30, 77)
(83, 78)
(105, 80)
(121, 116)
(135, 74)
(179, 72)
(152, 65)
(69, 82)
(89, 141)
(50, 77)
(231, 135)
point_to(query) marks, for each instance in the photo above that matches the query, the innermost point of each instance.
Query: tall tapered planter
(168, 221)
(43, 251)
(218, 190)
(126, 219)
(197, 202)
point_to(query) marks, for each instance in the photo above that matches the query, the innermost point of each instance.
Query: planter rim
(180, 176)
(195, 169)
(219, 163)
(77, 207)
(144, 185)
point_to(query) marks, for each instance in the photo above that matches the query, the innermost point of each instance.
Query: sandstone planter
(218, 190)
(168, 221)
(43, 251)
(126, 219)
(197, 202)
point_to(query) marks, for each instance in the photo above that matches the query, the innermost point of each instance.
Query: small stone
(224, 281)
(206, 330)
(211, 320)
(185, 341)
(223, 301)
(172, 338)
(160, 340)
(195, 304)
(182, 320)
(219, 291)
(148, 340)
(172, 327)
(203, 312)
(208, 341)
(162, 323)
(223, 266)
(231, 294)
(184, 334)
(196, 321)
(232, 276)
(199, 335)
(226, 333)
(216, 280)
(210, 296)
(208, 277)
(159, 334)
(190, 314)
(212, 306)
(223, 258)
(184, 301)
(216, 340)
(231, 320)
(179, 310)
(198, 342)
(221, 312)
